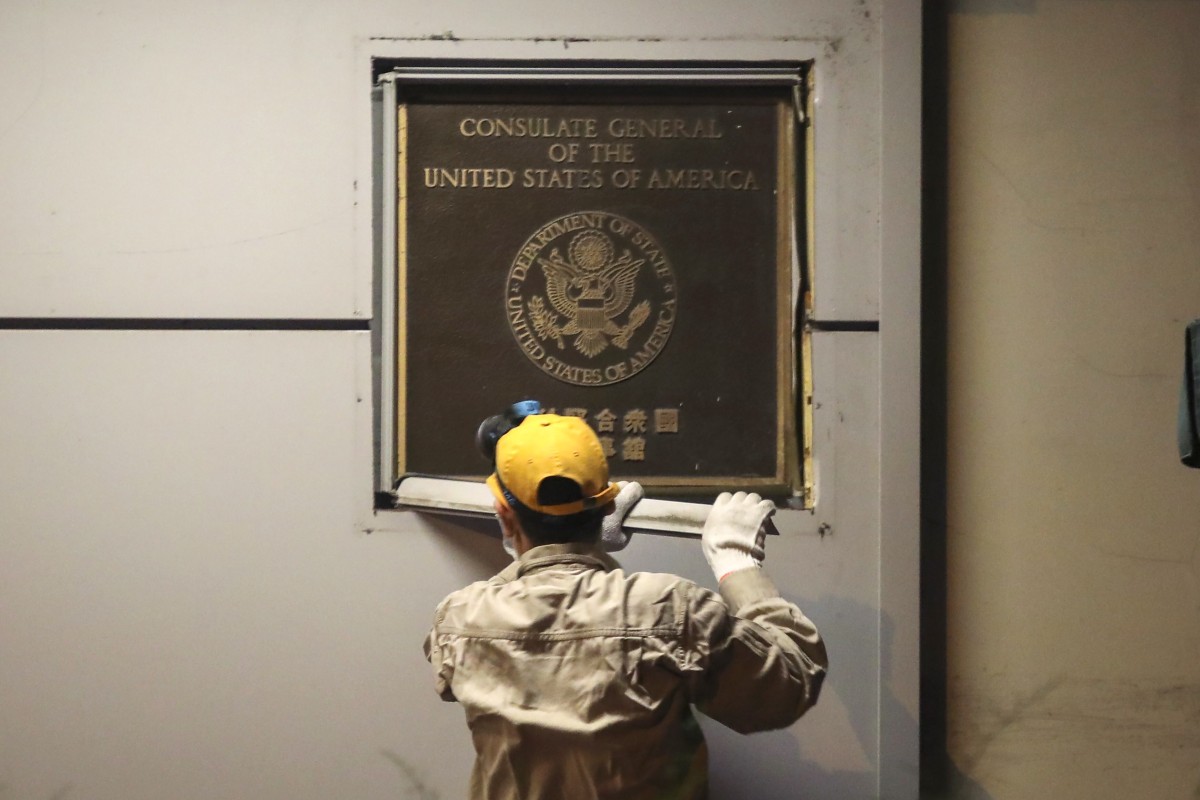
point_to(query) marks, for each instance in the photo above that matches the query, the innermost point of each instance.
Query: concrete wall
(189, 604)
(1074, 533)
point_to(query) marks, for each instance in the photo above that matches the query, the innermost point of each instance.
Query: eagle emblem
(590, 298)
(588, 290)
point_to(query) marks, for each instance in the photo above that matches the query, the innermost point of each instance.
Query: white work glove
(613, 537)
(735, 532)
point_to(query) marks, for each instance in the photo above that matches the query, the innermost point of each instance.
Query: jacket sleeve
(757, 661)
(440, 656)
(440, 647)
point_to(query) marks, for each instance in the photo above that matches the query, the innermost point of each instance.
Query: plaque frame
(792, 477)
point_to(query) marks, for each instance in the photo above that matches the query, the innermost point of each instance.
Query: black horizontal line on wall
(868, 325)
(175, 324)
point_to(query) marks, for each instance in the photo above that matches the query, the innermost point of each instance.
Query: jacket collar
(548, 555)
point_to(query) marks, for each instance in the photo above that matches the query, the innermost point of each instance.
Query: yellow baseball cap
(545, 446)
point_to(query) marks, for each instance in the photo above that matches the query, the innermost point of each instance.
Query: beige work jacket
(578, 679)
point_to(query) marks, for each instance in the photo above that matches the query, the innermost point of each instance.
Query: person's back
(578, 679)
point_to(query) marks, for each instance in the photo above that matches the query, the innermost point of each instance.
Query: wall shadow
(935, 763)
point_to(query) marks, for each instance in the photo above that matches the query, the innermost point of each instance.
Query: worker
(579, 679)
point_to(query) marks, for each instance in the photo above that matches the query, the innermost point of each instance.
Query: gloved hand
(735, 532)
(612, 535)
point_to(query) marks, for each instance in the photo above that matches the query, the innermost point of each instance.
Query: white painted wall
(1074, 549)
(188, 605)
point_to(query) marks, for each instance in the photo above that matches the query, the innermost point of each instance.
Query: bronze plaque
(627, 259)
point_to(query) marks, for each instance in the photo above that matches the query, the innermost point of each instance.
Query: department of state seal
(591, 298)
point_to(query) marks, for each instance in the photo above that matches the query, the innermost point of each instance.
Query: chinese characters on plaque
(624, 435)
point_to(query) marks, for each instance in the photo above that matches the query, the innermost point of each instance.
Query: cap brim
(493, 483)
